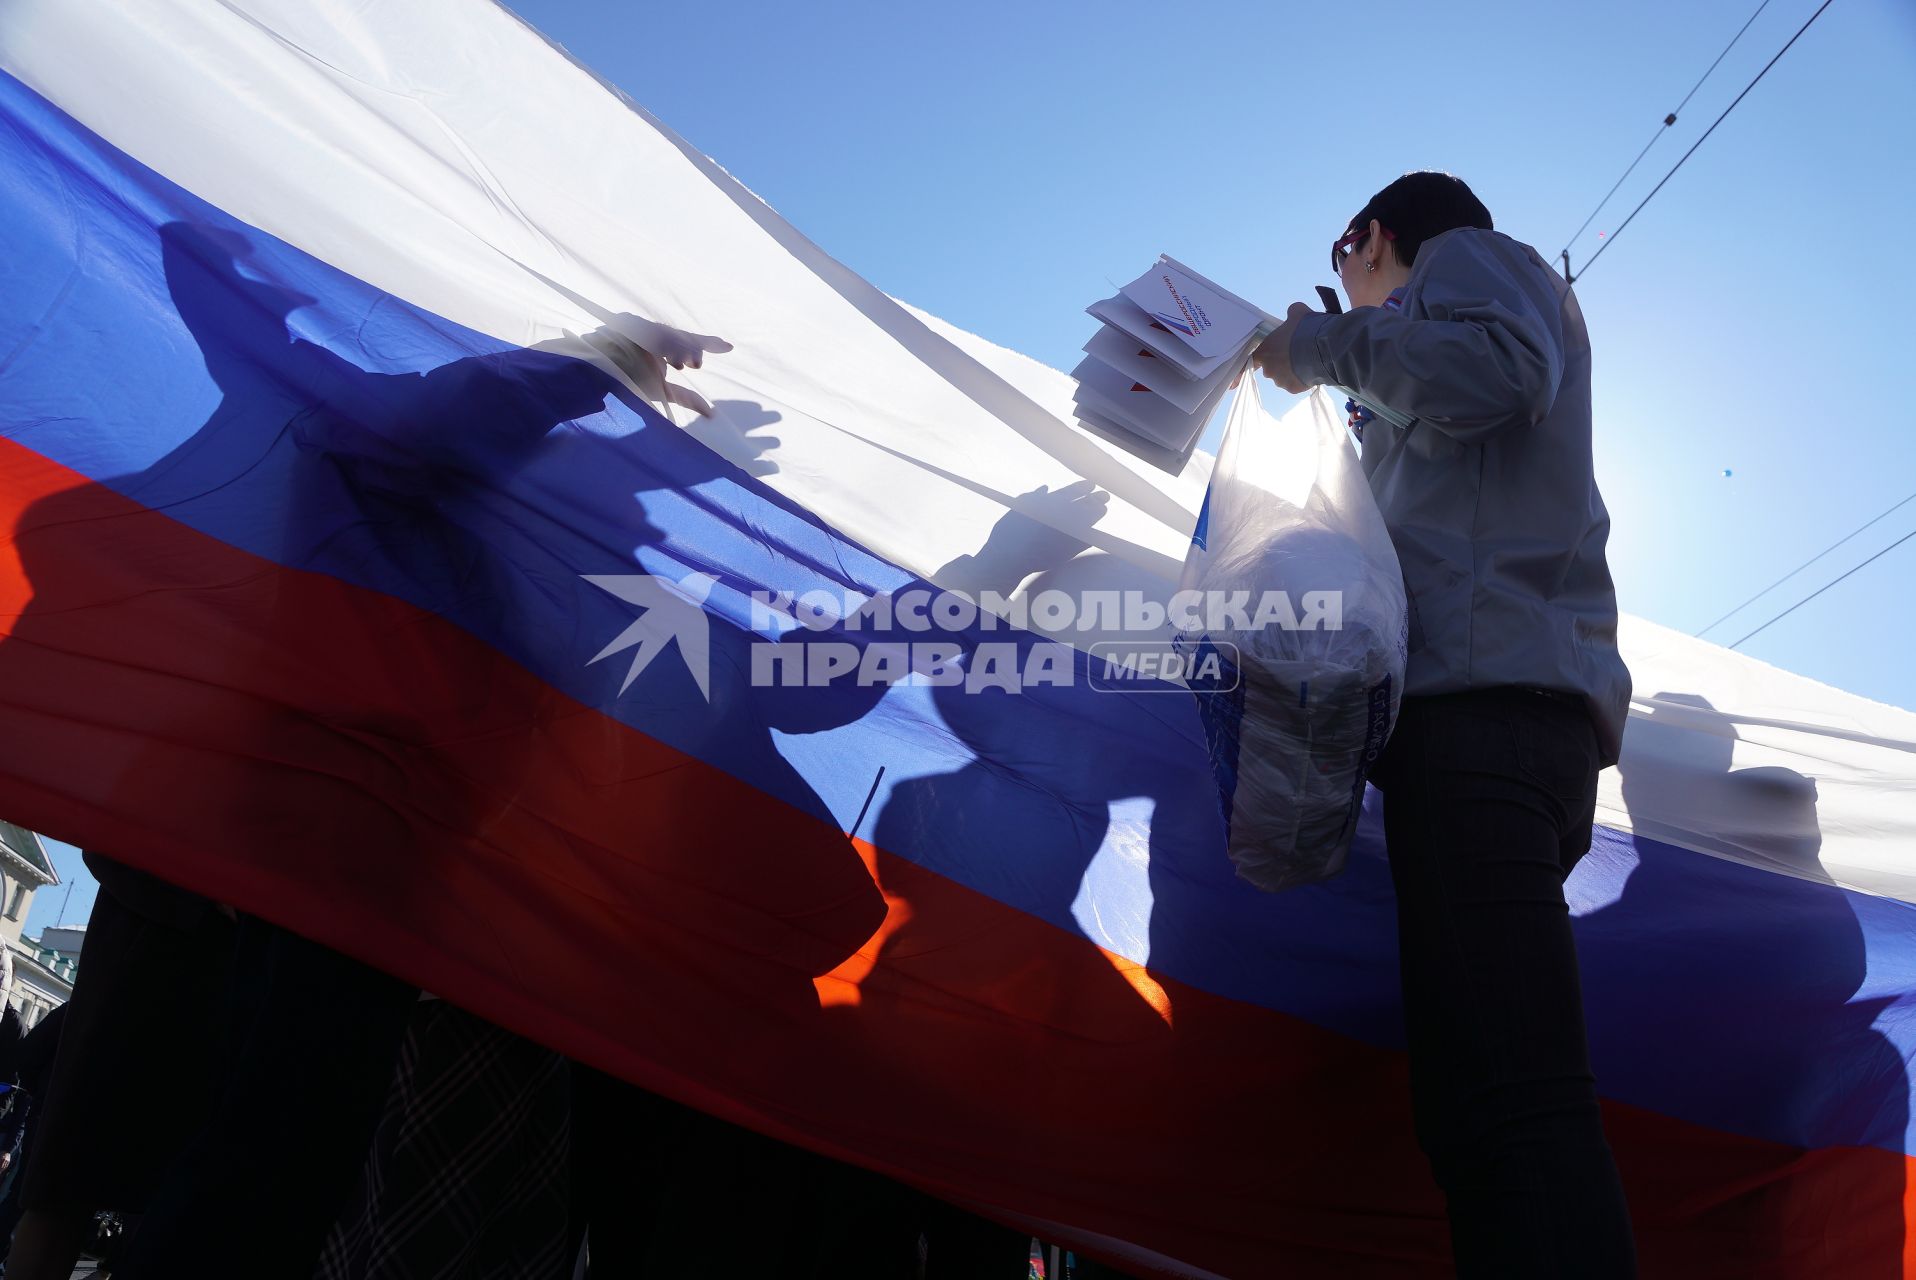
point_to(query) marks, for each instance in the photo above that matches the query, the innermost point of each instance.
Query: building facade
(42, 975)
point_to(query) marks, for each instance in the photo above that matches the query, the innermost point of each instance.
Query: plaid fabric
(466, 1179)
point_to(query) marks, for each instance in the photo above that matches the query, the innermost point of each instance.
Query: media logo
(674, 613)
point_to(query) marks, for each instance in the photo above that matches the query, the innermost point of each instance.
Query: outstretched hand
(640, 350)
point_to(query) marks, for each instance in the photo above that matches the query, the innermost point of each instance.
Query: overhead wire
(1806, 564)
(1612, 239)
(1826, 586)
(1668, 120)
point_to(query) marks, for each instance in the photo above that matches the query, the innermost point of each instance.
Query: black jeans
(1489, 798)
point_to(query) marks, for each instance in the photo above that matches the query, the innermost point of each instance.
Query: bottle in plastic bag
(1294, 715)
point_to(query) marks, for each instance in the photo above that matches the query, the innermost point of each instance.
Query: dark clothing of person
(13, 1034)
(467, 1176)
(308, 1042)
(477, 1170)
(15, 1109)
(624, 1157)
(13, 1145)
(151, 898)
(16, 1105)
(29, 1063)
(1489, 800)
(135, 1061)
(31, 1058)
(670, 1193)
(961, 1245)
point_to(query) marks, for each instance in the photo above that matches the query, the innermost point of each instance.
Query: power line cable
(1826, 586)
(1565, 253)
(1799, 568)
(1719, 57)
(1668, 120)
(1611, 239)
(1700, 141)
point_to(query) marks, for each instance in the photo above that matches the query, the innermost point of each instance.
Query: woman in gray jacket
(1468, 367)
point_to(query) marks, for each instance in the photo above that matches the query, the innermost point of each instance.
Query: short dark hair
(1421, 205)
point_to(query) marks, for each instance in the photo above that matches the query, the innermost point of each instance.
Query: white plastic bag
(1293, 714)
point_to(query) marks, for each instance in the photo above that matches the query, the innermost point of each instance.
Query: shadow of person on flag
(1775, 1030)
(286, 655)
(472, 490)
(886, 1060)
(988, 1005)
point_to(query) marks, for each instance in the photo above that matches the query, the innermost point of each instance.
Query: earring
(1370, 266)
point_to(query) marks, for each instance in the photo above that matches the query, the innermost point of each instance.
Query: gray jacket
(1480, 459)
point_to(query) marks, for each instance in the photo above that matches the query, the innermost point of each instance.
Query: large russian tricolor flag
(332, 585)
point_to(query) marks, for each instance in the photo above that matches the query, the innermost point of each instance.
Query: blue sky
(1002, 164)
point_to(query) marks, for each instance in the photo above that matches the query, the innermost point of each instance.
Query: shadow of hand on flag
(1782, 1026)
(334, 641)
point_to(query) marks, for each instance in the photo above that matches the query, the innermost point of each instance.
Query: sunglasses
(1343, 249)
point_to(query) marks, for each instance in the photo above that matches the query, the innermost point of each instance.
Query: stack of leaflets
(1171, 344)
